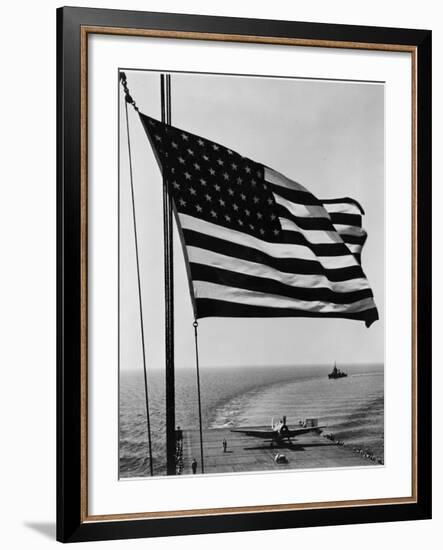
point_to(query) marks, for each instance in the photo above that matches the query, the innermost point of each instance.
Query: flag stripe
(277, 250)
(313, 237)
(316, 215)
(340, 248)
(204, 289)
(350, 230)
(271, 286)
(290, 189)
(288, 265)
(346, 210)
(310, 212)
(355, 239)
(275, 178)
(295, 196)
(346, 219)
(312, 224)
(320, 230)
(210, 258)
(302, 210)
(355, 248)
(222, 308)
(345, 204)
(294, 236)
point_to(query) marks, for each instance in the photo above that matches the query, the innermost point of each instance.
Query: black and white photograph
(251, 284)
(243, 274)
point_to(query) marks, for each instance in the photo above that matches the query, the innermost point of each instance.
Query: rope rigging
(195, 325)
(174, 443)
(128, 99)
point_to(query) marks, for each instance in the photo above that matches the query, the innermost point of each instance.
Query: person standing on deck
(194, 466)
(225, 445)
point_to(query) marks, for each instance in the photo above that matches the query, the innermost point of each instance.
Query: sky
(327, 135)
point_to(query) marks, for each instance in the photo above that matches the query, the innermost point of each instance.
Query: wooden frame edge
(84, 275)
(204, 512)
(251, 39)
(84, 31)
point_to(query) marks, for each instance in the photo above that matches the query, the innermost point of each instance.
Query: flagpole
(165, 91)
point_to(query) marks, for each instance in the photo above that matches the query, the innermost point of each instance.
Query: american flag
(256, 243)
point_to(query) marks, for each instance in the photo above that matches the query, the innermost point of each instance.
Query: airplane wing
(265, 434)
(300, 431)
(271, 434)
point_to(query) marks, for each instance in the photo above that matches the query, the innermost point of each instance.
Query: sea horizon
(278, 366)
(353, 408)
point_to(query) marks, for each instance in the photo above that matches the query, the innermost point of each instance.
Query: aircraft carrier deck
(246, 454)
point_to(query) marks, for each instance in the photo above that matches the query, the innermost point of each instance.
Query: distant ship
(336, 373)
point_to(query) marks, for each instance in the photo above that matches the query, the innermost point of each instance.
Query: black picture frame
(72, 521)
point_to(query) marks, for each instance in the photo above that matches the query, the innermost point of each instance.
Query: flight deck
(249, 454)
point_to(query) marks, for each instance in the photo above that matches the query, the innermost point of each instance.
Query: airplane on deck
(280, 431)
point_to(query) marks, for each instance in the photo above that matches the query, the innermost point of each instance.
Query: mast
(165, 91)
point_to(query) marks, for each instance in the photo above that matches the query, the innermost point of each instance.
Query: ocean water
(352, 408)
